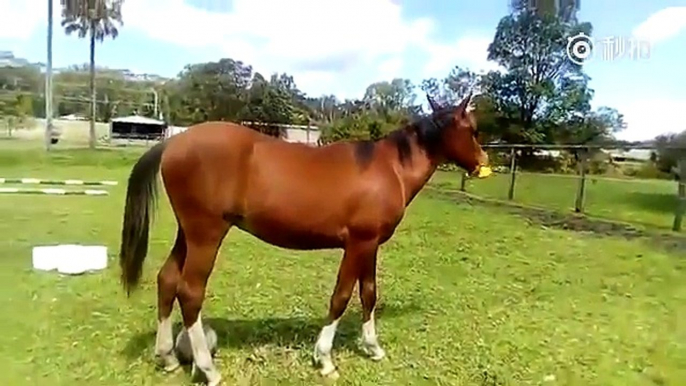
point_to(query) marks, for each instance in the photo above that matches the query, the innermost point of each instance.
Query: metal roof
(139, 120)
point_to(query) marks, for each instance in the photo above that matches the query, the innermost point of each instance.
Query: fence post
(513, 173)
(681, 203)
(463, 181)
(579, 204)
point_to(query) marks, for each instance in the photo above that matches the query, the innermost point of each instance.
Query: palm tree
(564, 9)
(95, 19)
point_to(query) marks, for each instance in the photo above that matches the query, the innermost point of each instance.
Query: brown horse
(349, 195)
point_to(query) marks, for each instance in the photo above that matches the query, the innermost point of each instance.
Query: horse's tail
(141, 194)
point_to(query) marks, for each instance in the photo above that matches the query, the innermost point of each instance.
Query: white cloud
(332, 46)
(391, 68)
(19, 19)
(308, 38)
(649, 118)
(329, 46)
(469, 52)
(662, 25)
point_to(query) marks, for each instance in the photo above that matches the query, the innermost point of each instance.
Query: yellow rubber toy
(484, 171)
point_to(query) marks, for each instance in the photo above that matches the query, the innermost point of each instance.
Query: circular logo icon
(579, 48)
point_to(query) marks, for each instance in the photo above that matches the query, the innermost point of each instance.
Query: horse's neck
(415, 174)
(415, 186)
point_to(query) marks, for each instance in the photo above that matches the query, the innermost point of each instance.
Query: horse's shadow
(292, 332)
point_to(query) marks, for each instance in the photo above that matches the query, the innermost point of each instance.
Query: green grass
(468, 296)
(649, 203)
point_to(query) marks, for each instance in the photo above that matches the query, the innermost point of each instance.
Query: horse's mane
(428, 129)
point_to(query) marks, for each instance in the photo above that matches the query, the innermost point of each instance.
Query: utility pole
(48, 83)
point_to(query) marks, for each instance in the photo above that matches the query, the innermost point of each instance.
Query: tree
(394, 96)
(17, 87)
(97, 19)
(564, 9)
(209, 91)
(671, 148)
(116, 93)
(294, 100)
(384, 107)
(228, 90)
(17, 111)
(269, 101)
(363, 124)
(454, 87)
(324, 109)
(540, 87)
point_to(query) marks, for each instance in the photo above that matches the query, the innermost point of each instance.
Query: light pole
(155, 103)
(48, 83)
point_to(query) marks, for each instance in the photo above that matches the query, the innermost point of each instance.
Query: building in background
(7, 59)
(308, 135)
(137, 127)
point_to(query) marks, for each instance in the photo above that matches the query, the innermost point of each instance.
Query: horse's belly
(293, 235)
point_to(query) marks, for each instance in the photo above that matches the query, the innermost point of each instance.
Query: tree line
(538, 96)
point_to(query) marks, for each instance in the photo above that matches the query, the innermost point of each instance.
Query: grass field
(469, 295)
(649, 203)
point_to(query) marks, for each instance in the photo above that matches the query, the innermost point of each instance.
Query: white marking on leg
(322, 349)
(370, 341)
(164, 344)
(202, 358)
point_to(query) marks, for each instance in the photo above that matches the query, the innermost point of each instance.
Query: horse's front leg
(348, 273)
(367, 284)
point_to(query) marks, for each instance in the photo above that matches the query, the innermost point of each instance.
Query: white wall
(292, 134)
(303, 136)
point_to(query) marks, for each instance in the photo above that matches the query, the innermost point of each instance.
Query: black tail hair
(141, 194)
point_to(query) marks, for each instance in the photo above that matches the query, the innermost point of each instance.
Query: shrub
(648, 170)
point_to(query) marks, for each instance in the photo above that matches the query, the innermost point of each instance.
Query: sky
(341, 46)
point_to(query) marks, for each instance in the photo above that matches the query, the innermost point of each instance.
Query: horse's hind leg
(167, 283)
(203, 238)
(356, 253)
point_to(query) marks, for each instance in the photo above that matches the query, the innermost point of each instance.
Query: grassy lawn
(645, 202)
(469, 295)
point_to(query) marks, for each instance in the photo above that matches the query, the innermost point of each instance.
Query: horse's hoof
(168, 364)
(375, 352)
(378, 356)
(170, 368)
(330, 374)
(328, 369)
(215, 382)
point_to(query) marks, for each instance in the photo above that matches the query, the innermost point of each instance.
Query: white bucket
(97, 256)
(70, 258)
(44, 258)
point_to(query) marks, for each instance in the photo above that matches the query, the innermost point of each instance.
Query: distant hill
(7, 59)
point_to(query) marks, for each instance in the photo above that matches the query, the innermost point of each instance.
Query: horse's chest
(387, 228)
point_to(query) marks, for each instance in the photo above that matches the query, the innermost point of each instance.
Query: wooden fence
(581, 151)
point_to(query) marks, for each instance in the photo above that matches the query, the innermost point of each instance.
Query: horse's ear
(465, 102)
(463, 107)
(434, 106)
